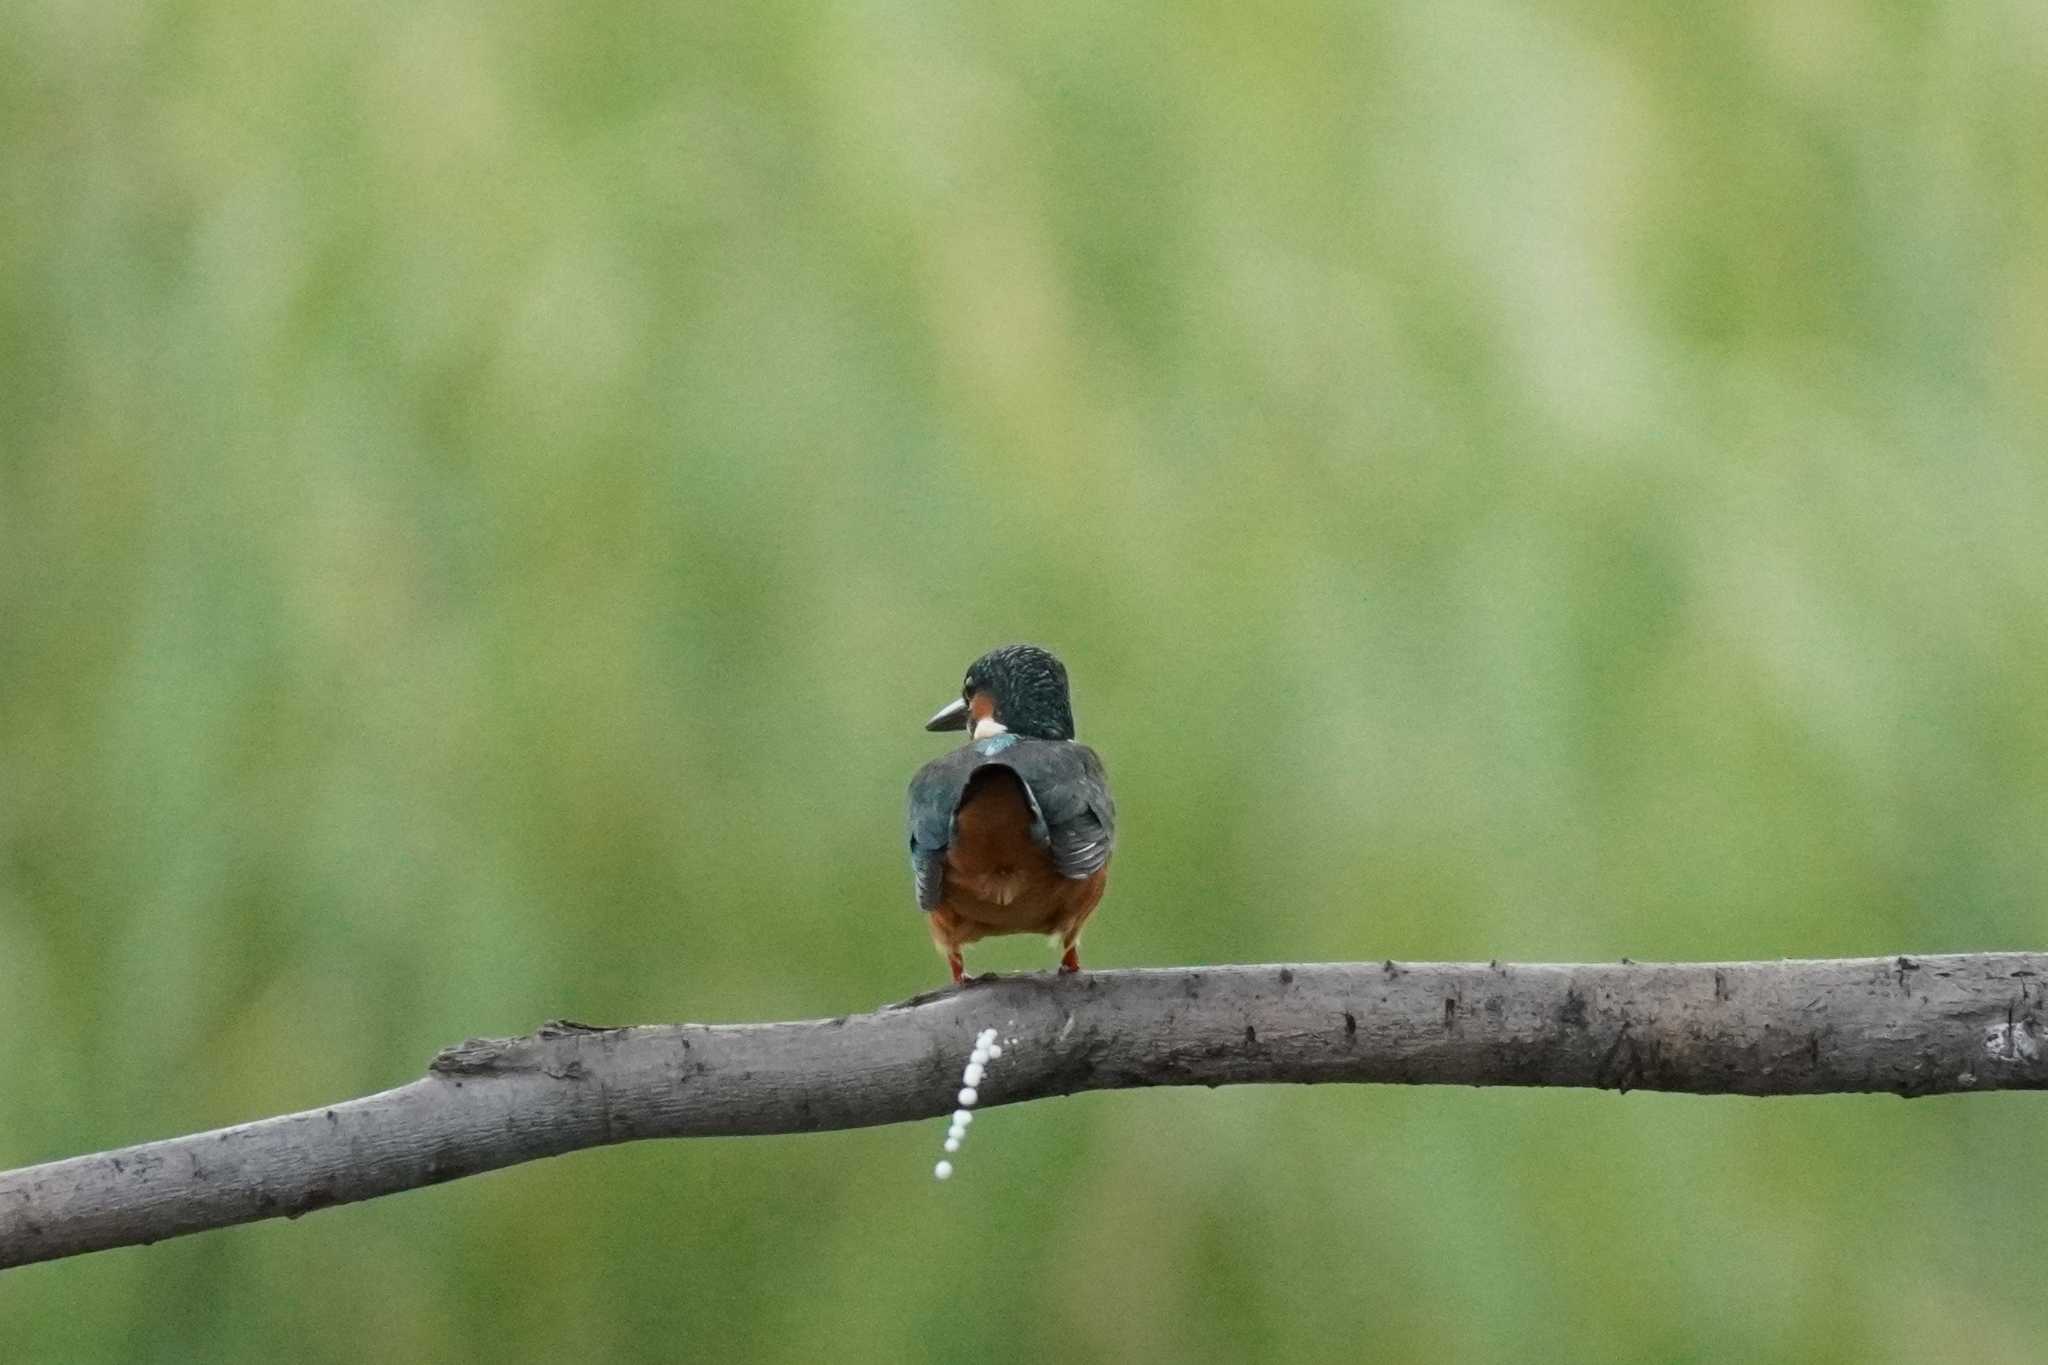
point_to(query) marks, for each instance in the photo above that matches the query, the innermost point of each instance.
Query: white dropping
(986, 1050)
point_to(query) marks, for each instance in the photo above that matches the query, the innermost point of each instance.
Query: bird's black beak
(951, 716)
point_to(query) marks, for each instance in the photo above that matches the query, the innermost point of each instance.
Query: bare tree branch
(1901, 1025)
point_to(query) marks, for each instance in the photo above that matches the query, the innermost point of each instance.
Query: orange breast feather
(997, 880)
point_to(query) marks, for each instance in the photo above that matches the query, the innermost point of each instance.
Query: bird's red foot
(957, 967)
(1072, 961)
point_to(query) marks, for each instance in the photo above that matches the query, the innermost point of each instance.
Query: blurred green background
(489, 493)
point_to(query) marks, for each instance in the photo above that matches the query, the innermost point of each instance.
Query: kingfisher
(1011, 832)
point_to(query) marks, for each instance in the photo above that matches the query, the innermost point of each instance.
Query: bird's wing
(928, 819)
(1069, 794)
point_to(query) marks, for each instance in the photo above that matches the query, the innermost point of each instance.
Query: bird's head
(1018, 689)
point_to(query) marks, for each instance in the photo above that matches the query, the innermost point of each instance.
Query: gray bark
(1899, 1025)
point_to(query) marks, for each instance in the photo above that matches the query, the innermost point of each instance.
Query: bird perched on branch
(1010, 833)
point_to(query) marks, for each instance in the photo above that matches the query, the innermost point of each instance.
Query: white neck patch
(989, 725)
